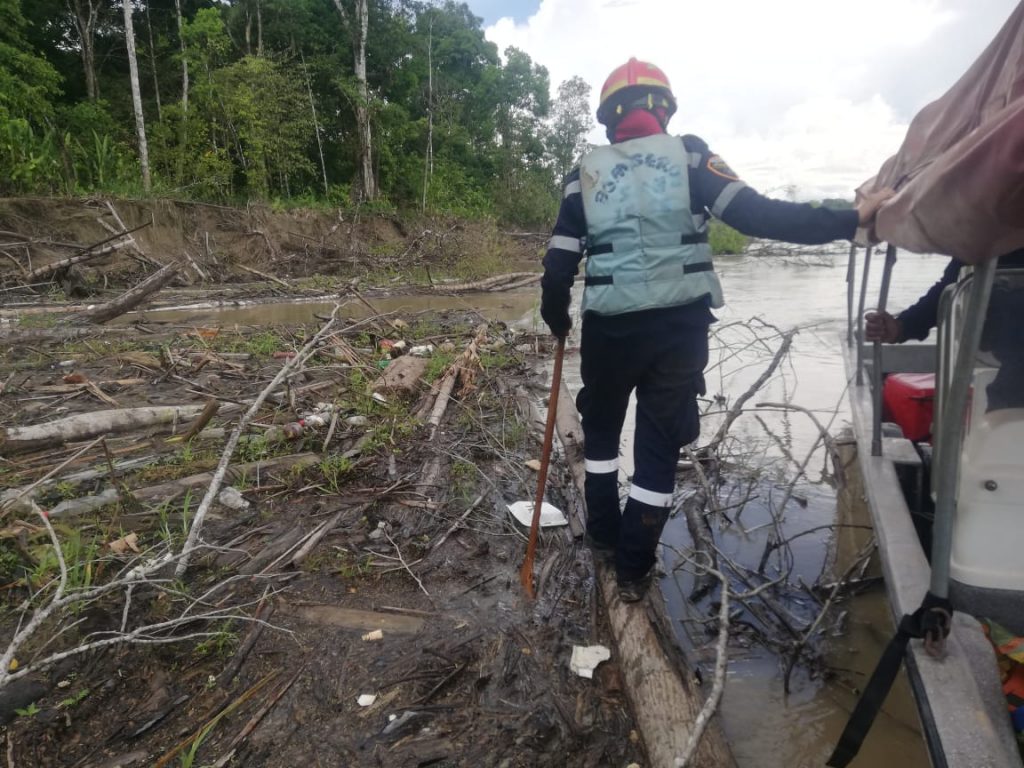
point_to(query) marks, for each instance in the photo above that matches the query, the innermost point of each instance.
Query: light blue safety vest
(644, 249)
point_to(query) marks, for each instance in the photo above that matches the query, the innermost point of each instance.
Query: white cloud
(812, 93)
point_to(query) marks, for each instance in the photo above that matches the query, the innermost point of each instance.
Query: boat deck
(963, 711)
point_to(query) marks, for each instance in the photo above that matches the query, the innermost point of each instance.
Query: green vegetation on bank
(725, 239)
(265, 100)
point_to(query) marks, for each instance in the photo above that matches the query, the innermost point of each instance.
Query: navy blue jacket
(917, 321)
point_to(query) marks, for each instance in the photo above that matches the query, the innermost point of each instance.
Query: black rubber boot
(638, 540)
(604, 516)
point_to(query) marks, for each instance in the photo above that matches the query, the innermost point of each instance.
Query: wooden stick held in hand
(526, 572)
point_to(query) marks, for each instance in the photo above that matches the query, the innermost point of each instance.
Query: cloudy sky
(804, 94)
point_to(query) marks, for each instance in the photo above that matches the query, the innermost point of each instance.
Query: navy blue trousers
(661, 354)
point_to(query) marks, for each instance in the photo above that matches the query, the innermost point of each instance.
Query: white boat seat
(988, 535)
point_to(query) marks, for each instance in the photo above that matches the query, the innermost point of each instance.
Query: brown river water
(766, 727)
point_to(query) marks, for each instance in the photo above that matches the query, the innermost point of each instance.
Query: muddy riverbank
(352, 506)
(432, 563)
(352, 597)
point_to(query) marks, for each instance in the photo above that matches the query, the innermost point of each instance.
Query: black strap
(704, 266)
(931, 622)
(694, 239)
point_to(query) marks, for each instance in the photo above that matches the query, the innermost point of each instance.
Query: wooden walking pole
(526, 572)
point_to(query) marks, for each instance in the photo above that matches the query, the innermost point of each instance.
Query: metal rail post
(876, 372)
(851, 278)
(860, 315)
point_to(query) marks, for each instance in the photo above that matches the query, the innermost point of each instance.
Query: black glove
(554, 308)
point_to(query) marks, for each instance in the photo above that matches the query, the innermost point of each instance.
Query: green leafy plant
(221, 642)
(264, 344)
(335, 469)
(30, 711)
(74, 700)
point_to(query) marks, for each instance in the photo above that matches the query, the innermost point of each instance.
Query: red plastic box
(909, 399)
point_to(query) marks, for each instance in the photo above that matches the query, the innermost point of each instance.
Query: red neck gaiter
(636, 125)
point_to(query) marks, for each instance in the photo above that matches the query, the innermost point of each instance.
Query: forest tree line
(388, 103)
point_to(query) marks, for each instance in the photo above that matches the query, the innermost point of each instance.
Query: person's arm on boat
(562, 260)
(728, 198)
(915, 322)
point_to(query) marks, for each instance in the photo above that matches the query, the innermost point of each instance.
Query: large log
(172, 489)
(83, 426)
(48, 270)
(496, 283)
(130, 298)
(89, 252)
(665, 698)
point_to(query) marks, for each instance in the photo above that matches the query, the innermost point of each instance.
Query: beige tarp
(959, 175)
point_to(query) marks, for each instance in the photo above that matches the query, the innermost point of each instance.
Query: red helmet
(636, 84)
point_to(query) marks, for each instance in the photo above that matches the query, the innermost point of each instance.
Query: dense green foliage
(271, 105)
(725, 239)
(837, 203)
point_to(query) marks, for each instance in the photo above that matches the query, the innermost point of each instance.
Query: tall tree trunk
(86, 13)
(259, 29)
(152, 64)
(133, 68)
(316, 125)
(428, 160)
(184, 60)
(358, 27)
(248, 33)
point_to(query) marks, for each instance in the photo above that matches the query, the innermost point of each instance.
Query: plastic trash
(291, 431)
(370, 637)
(422, 350)
(550, 515)
(232, 498)
(366, 700)
(585, 659)
(320, 416)
(407, 720)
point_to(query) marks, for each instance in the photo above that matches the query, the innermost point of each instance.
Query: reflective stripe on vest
(645, 249)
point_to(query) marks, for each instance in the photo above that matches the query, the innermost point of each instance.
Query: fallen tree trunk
(47, 271)
(174, 488)
(496, 283)
(89, 252)
(83, 426)
(130, 298)
(463, 368)
(665, 702)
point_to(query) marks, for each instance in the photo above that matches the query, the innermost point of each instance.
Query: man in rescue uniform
(638, 210)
